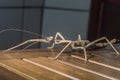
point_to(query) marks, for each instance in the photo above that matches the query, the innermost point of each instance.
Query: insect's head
(50, 38)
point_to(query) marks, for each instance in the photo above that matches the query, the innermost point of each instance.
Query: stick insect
(81, 44)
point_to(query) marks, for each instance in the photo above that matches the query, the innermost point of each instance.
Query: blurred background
(90, 18)
(45, 17)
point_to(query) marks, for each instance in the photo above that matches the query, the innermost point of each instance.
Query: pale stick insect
(82, 44)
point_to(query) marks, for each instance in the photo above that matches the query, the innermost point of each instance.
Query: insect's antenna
(19, 30)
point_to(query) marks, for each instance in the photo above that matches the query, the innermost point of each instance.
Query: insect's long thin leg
(63, 50)
(112, 46)
(18, 45)
(100, 39)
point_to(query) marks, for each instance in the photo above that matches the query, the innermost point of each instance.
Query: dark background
(104, 19)
(45, 17)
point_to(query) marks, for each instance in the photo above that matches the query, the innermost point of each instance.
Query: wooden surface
(38, 64)
(8, 75)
